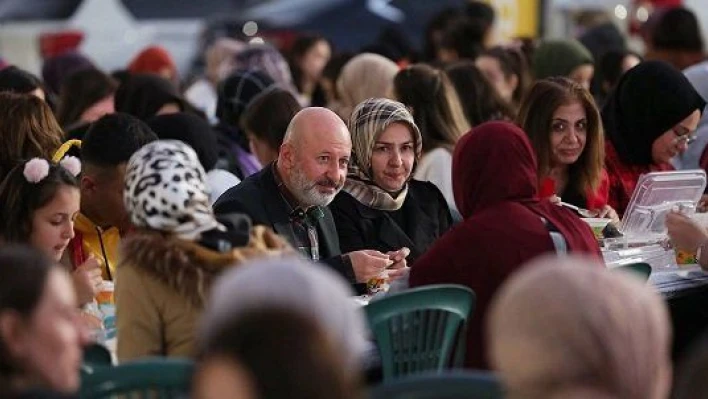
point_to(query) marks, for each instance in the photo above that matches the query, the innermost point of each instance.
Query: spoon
(581, 211)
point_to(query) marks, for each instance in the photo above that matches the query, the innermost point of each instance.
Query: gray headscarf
(165, 190)
(293, 284)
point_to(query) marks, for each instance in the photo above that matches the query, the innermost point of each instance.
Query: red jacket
(594, 199)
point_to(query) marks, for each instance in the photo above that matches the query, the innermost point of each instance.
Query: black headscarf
(17, 80)
(190, 129)
(649, 99)
(142, 95)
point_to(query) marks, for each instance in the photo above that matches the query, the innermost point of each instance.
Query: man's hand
(685, 233)
(399, 268)
(87, 280)
(368, 264)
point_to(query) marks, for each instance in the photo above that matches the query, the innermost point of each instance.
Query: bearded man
(291, 195)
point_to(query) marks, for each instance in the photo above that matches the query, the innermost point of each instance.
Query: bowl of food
(597, 225)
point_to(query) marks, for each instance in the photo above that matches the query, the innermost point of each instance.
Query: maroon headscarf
(494, 182)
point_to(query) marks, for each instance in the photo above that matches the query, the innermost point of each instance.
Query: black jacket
(425, 216)
(258, 197)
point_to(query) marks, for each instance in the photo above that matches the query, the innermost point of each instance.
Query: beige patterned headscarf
(563, 328)
(364, 76)
(368, 121)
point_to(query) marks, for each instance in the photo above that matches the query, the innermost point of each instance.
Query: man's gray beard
(305, 190)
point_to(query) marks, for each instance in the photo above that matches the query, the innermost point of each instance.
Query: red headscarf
(154, 59)
(494, 182)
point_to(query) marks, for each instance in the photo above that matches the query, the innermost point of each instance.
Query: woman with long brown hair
(565, 129)
(437, 112)
(28, 129)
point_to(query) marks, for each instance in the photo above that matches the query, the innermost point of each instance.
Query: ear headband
(61, 152)
(37, 169)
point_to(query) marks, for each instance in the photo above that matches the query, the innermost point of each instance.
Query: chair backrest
(147, 378)
(418, 330)
(639, 269)
(97, 355)
(454, 385)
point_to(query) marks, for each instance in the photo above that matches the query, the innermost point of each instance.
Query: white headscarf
(294, 284)
(165, 190)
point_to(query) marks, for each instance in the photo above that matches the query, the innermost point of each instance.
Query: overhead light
(642, 14)
(250, 28)
(257, 40)
(621, 11)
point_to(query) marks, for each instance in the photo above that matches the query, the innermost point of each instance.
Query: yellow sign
(516, 18)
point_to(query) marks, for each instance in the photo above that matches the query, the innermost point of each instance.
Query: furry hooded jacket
(162, 284)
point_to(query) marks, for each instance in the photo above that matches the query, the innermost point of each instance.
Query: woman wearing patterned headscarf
(177, 250)
(381, 207)
(236, 93)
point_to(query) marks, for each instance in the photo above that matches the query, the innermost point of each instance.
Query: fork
(581, 211)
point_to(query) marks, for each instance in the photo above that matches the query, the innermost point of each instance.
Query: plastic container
(105, 294)
(378, 284)
(656, 195)
(597, 225)
(643, 225)
(107, 309)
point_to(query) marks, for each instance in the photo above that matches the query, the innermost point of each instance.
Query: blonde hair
(435, 106)
(364, 76)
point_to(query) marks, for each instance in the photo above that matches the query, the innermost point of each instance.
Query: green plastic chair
(456, 385)
(147, 378)
(97, 355)
(639, 269)
(421, 329)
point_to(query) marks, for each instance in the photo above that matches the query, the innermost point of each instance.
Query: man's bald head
(314, 156)
(315, 123)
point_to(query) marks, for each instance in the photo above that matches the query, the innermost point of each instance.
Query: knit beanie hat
(559, 58)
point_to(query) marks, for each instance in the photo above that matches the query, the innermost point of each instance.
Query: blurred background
(113, 31)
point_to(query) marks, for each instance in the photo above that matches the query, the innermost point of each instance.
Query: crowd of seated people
(240, 217)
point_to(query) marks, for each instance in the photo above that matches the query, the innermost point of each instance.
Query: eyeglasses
(684, 137)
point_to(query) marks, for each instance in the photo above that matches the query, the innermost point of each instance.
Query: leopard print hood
(166, 190)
